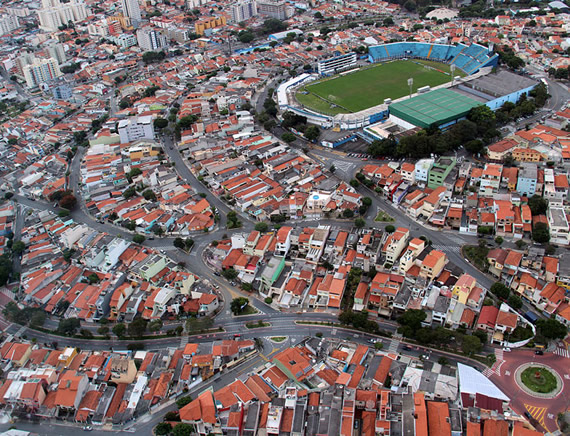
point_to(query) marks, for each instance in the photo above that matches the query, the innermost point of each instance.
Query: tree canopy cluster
(151, 57)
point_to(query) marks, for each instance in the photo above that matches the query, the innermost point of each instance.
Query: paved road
(543, 410)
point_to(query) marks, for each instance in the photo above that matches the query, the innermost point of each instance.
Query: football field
(369, 86)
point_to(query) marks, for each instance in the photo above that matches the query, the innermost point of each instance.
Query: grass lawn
(369, 86)
(278, 338)
(477, 255)
(256, 325)
(539, 379)
(248, 310)
(384, 217)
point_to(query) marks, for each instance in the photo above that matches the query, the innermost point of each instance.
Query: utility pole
(410, 84)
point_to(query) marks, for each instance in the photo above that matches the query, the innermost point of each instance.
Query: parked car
(539, 352)
(507, 350)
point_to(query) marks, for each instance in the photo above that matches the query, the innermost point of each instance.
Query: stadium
(447, 81)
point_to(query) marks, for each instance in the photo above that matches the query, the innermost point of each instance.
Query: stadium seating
(467, 58)
(439, 52)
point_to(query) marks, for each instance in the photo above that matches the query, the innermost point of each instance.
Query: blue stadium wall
(468, 58)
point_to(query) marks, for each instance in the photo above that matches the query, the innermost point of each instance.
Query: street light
(410, 84)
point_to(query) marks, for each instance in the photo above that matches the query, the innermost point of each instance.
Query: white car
(507, 350)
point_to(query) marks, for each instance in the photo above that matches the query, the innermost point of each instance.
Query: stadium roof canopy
(472, 381)
(436, 107)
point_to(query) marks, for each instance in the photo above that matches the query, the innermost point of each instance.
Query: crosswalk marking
(562, 352)
(537, 413)
(444, 248)
(183, 341)
(499, 353)
(496, 368)
(393, 346)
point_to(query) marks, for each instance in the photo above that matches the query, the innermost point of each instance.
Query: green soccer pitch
(369, 86)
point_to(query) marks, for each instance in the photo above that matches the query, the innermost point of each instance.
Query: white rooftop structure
(472, 381)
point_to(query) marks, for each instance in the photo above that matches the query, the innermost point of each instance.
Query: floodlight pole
(410, 84)
(452, 69)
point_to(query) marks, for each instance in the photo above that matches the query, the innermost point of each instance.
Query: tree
(288, 137)
(138, 239)
(230, 273)
(119, 330)
(318, 15)
(332, 169)
(388, 21)
(538, 205)
(187, 121)
(238, 305)
(246, 36)
(155, 325)
(378, 345)
(412, 319)
(520, 244)
(103, 330)
(500, 290)
(151, 57)
(160, 123)
(134, 173)
(475, 146)
(551, 329)
(163, 429)
(499, 240)
(273, 25)
(179, 243)
(312, 133)
(367, 201)
(183, 429)
(68, 201)
(359, 223)
(18, 247)
(540, 233)
(129, 192)
(38, 318)
(390, 228)
(69, 326)
(347, 213)
(188, 244)
(182, 401)
(515, 301)
(93, 278)
(261, 227)
(471, 345)
(137, 327)
(149, 195)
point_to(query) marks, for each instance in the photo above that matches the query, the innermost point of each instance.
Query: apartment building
(527, 179)
(135, 128)
(490, 180)
(243, 10)
(439, 171)
(558, 223)
(41, 71)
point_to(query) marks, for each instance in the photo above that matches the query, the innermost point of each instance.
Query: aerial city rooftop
(266, 217)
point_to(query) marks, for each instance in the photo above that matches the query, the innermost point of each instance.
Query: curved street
(281, 323)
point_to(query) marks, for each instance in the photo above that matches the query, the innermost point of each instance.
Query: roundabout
(538, 380)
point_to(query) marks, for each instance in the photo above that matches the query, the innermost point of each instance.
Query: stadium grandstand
(468, 58)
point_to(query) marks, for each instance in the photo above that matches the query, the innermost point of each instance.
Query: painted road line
(537, 413)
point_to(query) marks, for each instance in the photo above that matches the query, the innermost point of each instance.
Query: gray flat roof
(501, 83)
